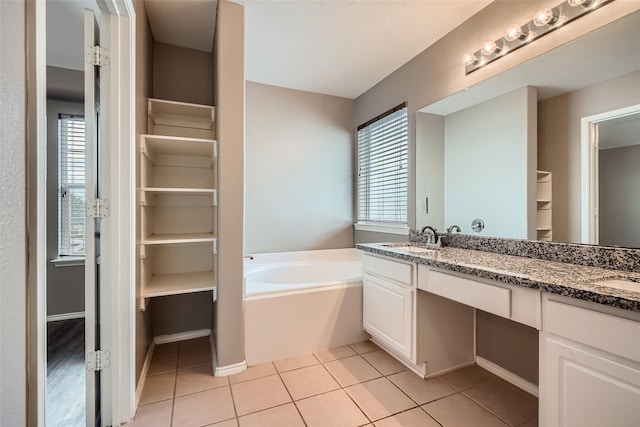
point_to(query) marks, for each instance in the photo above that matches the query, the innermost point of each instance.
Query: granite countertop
(572, 280)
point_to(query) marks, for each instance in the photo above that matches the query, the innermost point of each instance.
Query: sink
(624, 285)
(414, 249)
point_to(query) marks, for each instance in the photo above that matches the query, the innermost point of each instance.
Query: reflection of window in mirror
(619, 181)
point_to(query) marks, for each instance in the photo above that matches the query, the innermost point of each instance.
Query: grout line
(291, 397)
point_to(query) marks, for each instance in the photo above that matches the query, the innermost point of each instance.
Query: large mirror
(509, 150)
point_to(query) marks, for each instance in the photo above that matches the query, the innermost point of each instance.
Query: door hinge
(98, 360)
(97, 208)
(97, 55)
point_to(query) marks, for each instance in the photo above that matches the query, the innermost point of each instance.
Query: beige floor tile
(352, 370)
(197, 379)
(379, 398)
(163, 348)
(532, 423)
(201, 342)
(153, 415)
(333, 409)
(308, 381)
(421, 390)
(163, 362)
(335, 354)
(364, 347)
(158, 387)
(233, 422)
(280, 416)
(505, 400)
(296, 363)
(205, 407)
(253, 372)
(192, 357)
(413, 418)
(460, 411)
(384, 362)
(468, 377)
(256, 395)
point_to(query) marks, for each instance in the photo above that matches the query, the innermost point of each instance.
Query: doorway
(611, 177)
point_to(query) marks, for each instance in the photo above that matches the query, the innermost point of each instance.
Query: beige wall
(181, 74)
(230, 95)
(65, 285)
(13, 214)
(619, 207)
(298, 170)
(430, 169)
(559, 143)
(144, 87)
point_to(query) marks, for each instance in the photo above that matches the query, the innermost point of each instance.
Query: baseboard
(182, 336)
(143, 375)
(451, 369)
(65, 316)
(236, 368)
(508, 376)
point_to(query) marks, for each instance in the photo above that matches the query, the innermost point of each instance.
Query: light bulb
(489, 47)
(544, 17)
(514, 32)
(469, 59)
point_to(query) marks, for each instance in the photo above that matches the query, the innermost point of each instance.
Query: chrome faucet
(432, 232)
(453, 228)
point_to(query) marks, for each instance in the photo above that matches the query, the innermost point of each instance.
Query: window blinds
(382, 168)
(71, 185)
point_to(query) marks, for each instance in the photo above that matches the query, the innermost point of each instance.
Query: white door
(388, 313)
(582, 387)
(96, 358)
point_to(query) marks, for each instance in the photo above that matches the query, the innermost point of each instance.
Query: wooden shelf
(176, 284)
(158, 145)
(544, 206)
(165, 239)
(180, 118)
(147, 194)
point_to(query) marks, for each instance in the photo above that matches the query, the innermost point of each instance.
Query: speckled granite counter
(572, 280)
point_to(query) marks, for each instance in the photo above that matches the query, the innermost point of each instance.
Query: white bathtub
(301, 302)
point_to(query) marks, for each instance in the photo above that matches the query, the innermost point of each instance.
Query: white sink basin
(414, 249)
(625, 285)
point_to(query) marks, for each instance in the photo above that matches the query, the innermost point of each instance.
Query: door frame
(589, 230)
(118, 248)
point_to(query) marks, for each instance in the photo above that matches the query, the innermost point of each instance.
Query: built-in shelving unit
(544, 202)
(177, 200)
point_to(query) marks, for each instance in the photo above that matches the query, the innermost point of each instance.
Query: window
(382, 169)
(71, 185)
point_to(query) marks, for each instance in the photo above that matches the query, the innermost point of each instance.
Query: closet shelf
(209, 193)
(164, 239)
(180, 114)
(178, 283)
(158, 145)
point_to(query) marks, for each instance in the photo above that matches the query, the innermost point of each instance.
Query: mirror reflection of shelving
(544, 200)
(177, 200)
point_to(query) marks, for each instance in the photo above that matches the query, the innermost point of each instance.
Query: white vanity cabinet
(389, 303)
(589, 365)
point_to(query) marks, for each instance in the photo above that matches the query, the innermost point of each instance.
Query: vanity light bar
(516, 36)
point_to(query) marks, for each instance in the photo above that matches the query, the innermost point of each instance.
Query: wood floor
(65, 374)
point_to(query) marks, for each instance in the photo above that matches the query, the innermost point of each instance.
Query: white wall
(430, 170)
(486, 148)
(13, 238)
(298, 170)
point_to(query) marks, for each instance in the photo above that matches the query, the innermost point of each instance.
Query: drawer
(489, 298)
(606, 332)
(395, 270)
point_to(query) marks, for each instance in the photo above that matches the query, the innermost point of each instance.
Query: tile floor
(356, 385)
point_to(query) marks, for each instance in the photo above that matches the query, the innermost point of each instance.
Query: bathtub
(297, 303)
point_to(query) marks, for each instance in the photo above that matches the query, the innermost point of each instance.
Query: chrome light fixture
(516, 36)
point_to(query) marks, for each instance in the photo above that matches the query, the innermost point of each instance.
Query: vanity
(420, 305)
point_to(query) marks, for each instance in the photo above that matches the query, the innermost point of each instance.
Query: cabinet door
(388, 314)
(583, 387)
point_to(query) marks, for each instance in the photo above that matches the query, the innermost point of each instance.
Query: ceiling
(335, 47)
(619, 132)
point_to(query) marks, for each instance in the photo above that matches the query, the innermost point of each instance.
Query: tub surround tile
(364, 347)
(460, 411)
(198, 379)
(259, 394)
(352, 370)
(379, 398)
(333, 409)
(296, 363)
(505, 400)
(307, 382)
(205, 407)
(561, 278)
(280, 416)
(420, 390)
(253, 372)
(335, 354)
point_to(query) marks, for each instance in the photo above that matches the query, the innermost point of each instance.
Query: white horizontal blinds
(382, 168)
(71, 185)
